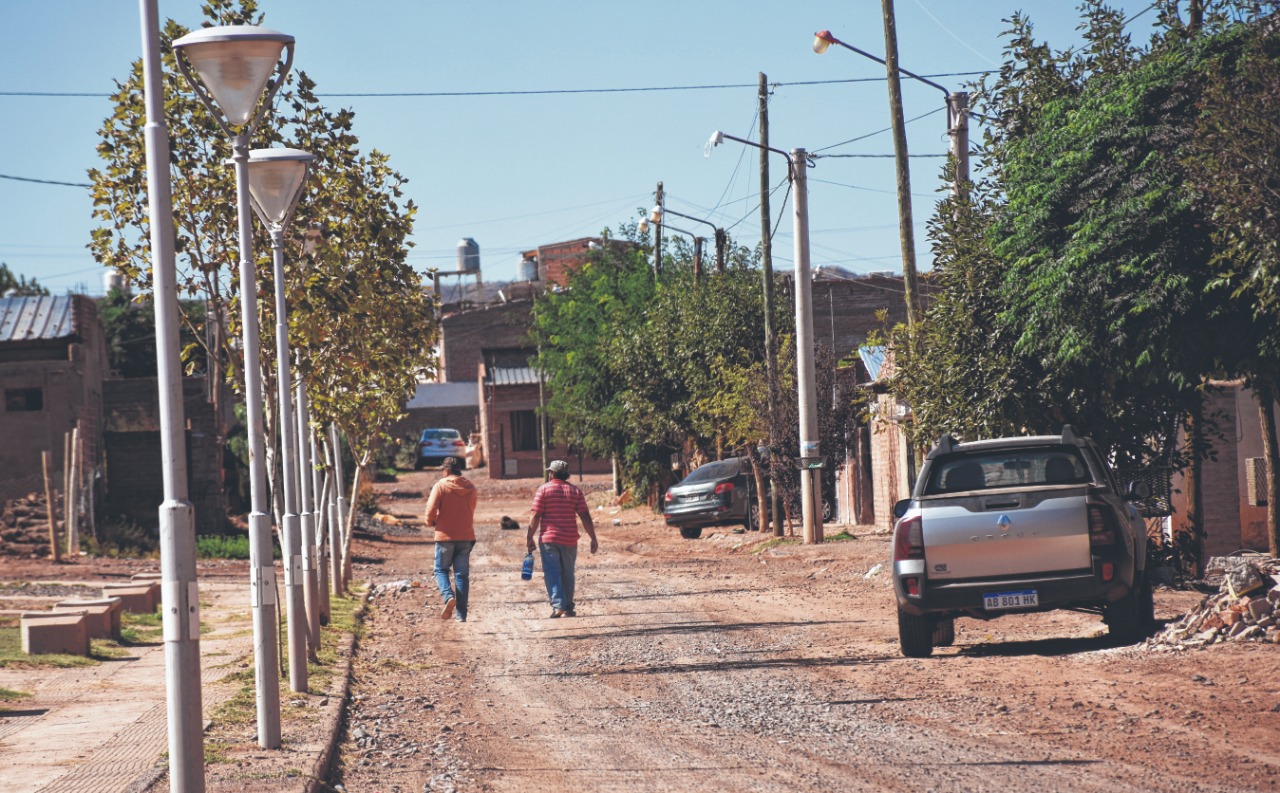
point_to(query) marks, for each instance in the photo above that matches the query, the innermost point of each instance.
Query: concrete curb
(336, 710)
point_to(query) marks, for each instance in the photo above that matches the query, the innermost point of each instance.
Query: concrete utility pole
(906, 231)
(181, 598)
(810, 448)
(766, 258)
(958, 132)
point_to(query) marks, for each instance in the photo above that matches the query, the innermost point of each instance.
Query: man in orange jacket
(451, 511)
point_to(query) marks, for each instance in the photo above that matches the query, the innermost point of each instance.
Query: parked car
(1014, 526)
(437, 444)
(713, 494)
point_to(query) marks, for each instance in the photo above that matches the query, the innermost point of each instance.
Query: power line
(877, 132)
(44, 181)
(535, 92)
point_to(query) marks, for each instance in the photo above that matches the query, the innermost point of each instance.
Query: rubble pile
(24, 527)
(1246, 607)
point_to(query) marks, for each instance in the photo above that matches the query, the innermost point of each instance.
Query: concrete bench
(136, 598)
(103, 615)
(145, 577)
(55, 632)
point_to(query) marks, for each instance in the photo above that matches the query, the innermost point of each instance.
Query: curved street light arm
(825, 36)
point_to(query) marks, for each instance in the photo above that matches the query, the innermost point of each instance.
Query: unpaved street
(716, 665)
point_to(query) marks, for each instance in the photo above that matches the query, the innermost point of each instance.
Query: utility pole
(657, 238)
(906, 232)
(766, 257)
(958, 132)
(810, 447)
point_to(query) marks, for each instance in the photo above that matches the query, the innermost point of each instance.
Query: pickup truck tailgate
(1012, 533)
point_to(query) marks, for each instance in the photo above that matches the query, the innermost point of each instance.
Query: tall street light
(643, 226)
(177, 517)
(276, 181)
(234, 64)
(810, 448)
(957, 107)
(657, 212)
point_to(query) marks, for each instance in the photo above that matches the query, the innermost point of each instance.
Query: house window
(524, 430)
(18, 400)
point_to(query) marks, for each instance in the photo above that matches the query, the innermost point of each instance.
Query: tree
(355, 305)
(17, 285)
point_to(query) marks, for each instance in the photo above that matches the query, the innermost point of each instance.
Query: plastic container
(526, 570)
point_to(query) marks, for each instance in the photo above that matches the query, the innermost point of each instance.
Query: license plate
(998, 601)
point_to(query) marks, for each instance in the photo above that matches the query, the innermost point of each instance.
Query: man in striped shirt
(556, 508)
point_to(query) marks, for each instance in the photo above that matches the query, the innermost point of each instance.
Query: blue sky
(513, 171)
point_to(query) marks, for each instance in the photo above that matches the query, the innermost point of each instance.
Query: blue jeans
(454, 554)
(558, 562)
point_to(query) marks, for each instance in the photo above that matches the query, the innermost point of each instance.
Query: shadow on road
(693, 626)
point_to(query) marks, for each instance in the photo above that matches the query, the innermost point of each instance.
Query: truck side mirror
(900, 508)
(1137, 491)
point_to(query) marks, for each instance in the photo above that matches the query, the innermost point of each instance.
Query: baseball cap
(558, 466)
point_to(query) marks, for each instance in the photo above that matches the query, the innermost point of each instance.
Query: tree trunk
(1266, 396)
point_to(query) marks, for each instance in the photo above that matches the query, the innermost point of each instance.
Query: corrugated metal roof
(511, 375)
(37, 318)
(873, 359)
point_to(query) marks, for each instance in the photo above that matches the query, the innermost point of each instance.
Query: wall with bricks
(500, 330)
(133, 469)
(502, 460)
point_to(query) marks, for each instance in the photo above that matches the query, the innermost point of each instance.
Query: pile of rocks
(1246, 607)
(24, 527)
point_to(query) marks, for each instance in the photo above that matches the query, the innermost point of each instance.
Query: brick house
(53, 360)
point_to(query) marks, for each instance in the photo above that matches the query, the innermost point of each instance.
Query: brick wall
(466, 336)
(854, 303)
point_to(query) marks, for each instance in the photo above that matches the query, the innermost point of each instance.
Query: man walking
(451, 511)
(556, 508)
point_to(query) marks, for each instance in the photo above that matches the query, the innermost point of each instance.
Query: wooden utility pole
(906, 233)
(52, 509)
(766, 258)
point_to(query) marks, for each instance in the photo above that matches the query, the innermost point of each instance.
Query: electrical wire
(877, 132)
(44, 181)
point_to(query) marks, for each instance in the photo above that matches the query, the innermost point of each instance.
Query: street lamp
(810, 448)
(276, 180)
(180, 590)
(234, 64)
(657, 212)
(957, 106)
(656, 216)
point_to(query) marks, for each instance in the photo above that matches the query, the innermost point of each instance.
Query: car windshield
(709, 472)
(1032, 465)
(441, 435)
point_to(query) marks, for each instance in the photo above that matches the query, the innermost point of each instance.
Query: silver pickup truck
(1016, 525)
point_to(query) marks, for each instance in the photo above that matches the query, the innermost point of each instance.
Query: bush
(122, 537)
(223, 546)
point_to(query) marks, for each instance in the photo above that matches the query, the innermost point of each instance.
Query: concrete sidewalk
(103, 727)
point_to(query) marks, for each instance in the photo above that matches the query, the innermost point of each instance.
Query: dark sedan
(714, 494)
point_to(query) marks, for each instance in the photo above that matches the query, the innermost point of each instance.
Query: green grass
(843, 536)
(12, 695)
(774, 543)
(227, 546)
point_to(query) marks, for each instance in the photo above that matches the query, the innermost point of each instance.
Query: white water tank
(529, 269)
(468, 255)
(114, 280)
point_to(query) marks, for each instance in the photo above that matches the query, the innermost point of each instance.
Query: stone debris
(24, 527)
(1245, 608)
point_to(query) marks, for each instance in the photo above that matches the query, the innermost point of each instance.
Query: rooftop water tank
(468, 255)
(113, 280)
(529, 269)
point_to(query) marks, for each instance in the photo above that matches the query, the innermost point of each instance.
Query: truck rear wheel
(944, 632)
(915, 635)
(1125, 619)
(691, 534)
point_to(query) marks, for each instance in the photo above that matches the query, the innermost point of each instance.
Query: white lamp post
(276, 180)
(810, 447)
(234, 65)
(181, 600)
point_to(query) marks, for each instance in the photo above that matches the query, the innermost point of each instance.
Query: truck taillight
(1101, 525)
(908, 539)
(724, 487)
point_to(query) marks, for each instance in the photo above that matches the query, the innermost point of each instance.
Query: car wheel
(690, 534)
(1124, 617)
(915, 635)
(944, 632)
(828, 509)
(752, 521)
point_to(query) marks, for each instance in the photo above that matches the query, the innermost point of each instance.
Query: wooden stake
(48, 500)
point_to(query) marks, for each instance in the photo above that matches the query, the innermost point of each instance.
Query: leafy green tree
(357, 309)
(12, 285)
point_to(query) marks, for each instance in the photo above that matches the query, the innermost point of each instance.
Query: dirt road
(717, 665)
